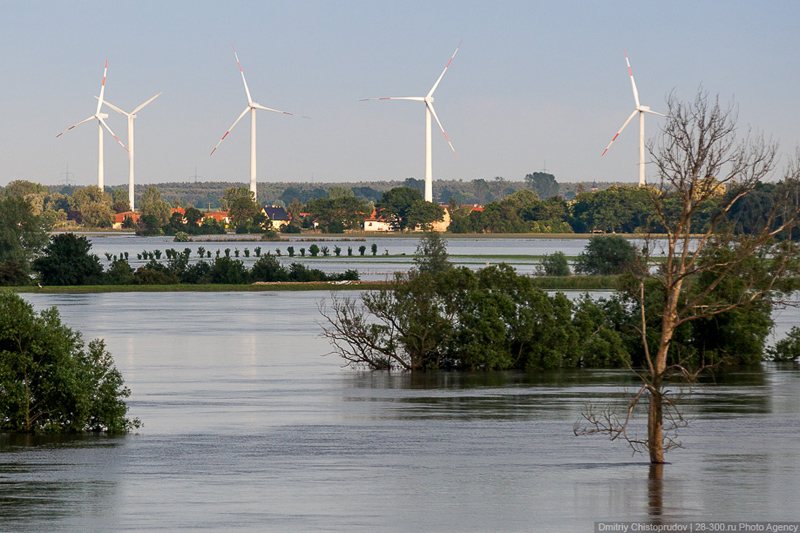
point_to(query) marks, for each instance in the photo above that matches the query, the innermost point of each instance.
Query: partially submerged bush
(50, 381)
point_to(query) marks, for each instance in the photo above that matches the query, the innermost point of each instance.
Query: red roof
(119, 218)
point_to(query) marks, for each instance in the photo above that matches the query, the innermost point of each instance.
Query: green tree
(153, 205)
(313, 250)
(120, 201)
(544, 184)
(555, 264)
(51, 381)
(67, 261)
(94, 205)
(607, 255)
(242, 207)
(230, 271)
(268, 268)
(119, 273)
(22, 236)
(624, 209)
(423, 214)
(455, 318)
(788, 348)
(397, 203)
(337, 214)
(431, 255)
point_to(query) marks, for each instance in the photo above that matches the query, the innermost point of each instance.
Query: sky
(536, 85)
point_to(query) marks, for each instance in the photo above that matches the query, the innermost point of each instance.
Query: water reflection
(655, 493)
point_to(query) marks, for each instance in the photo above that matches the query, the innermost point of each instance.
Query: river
(248, 425)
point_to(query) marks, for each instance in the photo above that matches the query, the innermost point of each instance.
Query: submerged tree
(50, 381)
(709, 269)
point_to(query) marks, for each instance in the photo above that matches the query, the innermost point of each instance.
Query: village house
(376, 222)
(119, 218)
(277, 217)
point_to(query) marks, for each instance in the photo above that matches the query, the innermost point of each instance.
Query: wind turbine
(429, 110)
(101, 123)
(251, 107)
(131, 120)
(641, 110)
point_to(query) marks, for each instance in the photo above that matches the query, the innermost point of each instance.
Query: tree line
(536, 207)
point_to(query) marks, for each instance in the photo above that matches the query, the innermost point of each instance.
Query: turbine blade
(614, 138)
(241, 71)
(415, 98)
(633, 82)
(263, 108)
(435, 85)
(235, 122)
(655, 113)
(75, 125)
(109, 130)
(115, 108)
(439, 122)
(143, 104)
(102, 89)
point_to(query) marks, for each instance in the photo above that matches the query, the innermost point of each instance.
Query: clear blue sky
(535, 83)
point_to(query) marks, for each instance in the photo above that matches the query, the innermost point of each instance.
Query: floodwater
(249, 426)
(394, 254)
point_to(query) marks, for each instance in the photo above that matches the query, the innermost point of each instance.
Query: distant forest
(207, 194)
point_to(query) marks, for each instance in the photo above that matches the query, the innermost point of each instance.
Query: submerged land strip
(580, 283)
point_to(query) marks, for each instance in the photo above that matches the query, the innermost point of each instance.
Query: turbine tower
(101, 123)
(429, 110)
(641, 110)
(131, 121)
(251, 107)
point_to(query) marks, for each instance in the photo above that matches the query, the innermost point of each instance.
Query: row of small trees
(68, 260)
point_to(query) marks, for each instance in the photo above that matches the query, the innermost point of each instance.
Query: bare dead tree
(699, 158)
(357, 338)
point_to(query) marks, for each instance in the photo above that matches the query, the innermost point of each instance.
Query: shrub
(605, 255)
(313, 250)
(554, 264)
(227, 270)
(119, 273)
(268, 268)
(51, 381)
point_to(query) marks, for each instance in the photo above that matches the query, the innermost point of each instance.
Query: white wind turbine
(640, 110)
(429, 110)
(251, 107)
(131, 120)
(101, 123)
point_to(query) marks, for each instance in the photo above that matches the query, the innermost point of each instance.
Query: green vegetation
(607, 255)
(555, 264)
(443, 317)
(786, 349)
(23, 234)
(67, 261)
(50, 381)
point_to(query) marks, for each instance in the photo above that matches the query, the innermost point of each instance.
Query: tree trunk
(655, 426)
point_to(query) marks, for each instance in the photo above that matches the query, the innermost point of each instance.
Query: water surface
(249, 426)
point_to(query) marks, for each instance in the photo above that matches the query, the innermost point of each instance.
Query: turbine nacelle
(639, 110)
(251, 108)
(430, 111)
